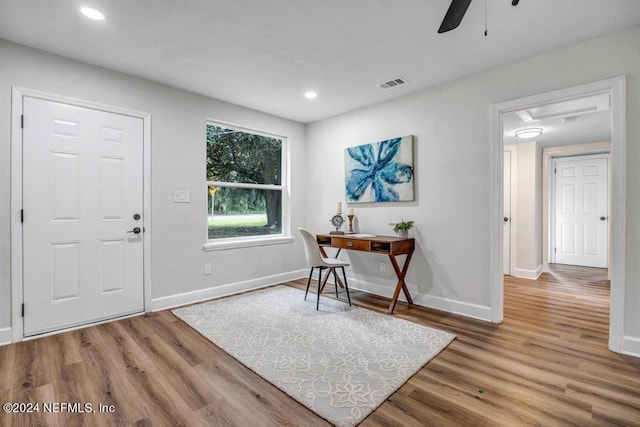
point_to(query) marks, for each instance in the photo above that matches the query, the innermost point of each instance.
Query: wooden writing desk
(385, 245)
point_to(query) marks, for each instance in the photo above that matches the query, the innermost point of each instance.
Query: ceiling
(576, 121)
(265, 54)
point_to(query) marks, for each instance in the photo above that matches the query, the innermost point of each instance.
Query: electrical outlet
(181, 196)
(383, 267)
(207, 268)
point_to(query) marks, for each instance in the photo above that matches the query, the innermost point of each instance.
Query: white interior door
(506, 233)
(82, 193)
(582, 211)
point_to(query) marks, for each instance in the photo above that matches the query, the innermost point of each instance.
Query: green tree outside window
(244, 174)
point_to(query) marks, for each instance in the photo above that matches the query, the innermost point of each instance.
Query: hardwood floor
(547, 364)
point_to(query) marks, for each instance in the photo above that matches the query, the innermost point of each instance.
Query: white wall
(526, 196)
(451, 125)
(177, 162)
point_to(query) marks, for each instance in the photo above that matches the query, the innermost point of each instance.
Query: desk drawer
(347, 243)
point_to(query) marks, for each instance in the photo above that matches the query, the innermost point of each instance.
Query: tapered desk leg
(401, 283)
(324, 254)
(324, 281)
(336, 278)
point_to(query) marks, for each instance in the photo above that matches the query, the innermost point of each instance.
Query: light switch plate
(181, 196)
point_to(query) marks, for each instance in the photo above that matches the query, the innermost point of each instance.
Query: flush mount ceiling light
(528, 133)
(311, 95)
(92, 13)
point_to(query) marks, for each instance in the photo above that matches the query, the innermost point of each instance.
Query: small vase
(403, 234)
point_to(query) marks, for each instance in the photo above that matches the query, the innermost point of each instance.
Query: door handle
(506, 219)
(136, 230)
(602, 218)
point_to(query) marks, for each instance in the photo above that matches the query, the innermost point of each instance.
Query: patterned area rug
(341, 362)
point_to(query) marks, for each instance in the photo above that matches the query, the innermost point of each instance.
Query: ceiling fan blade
(454, 15)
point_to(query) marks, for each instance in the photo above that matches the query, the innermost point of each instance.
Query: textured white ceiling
(577, 121)
(266, 54)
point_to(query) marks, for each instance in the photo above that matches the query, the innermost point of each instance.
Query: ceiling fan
(456, 12)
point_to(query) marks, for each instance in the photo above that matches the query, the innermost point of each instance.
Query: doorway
(80, 185)
(613, 89)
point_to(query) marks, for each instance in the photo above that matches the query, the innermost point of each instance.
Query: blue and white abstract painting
(380, 172)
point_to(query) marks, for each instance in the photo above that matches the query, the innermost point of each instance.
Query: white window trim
(245, 242)
(244, 185)
(265, 240)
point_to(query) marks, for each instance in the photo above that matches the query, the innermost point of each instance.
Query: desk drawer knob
(349, 243)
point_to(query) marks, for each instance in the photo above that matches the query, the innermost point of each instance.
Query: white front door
(506, 232)
(582, 211)
(82, 193)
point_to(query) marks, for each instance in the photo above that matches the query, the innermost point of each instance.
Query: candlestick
(350, 216)
(339, 210)
(350, 211)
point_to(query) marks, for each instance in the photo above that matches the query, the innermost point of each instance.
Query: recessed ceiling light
(92, 13)
(528, 133)
(311, 95)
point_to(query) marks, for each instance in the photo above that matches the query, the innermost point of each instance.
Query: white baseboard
(631, 346)
(171, 301)
(5, 336)
(528, 274)
(443, 304)
(385, 289)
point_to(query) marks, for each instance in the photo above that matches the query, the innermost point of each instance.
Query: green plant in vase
(402, 228)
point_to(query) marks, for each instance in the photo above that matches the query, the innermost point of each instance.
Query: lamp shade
(528, 133)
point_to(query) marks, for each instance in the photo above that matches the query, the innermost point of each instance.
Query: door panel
(581, 214)
(112, 266)
(568, 199)
(568, 239)
(64, 271)
(82, 184)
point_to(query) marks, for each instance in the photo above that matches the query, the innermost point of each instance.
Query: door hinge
(21, 121)
(555, 170)
(23, 310)
(555, 250)
(21, 215)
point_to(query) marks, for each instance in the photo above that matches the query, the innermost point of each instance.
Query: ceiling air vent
(393, 83)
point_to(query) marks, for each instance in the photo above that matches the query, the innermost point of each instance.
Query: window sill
(245, 243)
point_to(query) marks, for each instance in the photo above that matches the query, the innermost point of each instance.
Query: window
(245, 178)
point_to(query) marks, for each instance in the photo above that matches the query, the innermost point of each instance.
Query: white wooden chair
(316, 260)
